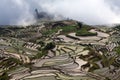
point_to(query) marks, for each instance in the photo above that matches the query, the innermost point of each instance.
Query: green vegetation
(9, 63)
(41, 43)
(117, 27)
(117, 49)
(94, 67)
(4, 76)
(65, 29)
(50, 31)
(44, 49)
(80, 24)
(40, 54)
(39, 48)
(49, 46)
(68, 29)
(81, 30)
(94, 56)
(84, 31)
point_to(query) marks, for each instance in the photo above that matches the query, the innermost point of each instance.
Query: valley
(59, 50)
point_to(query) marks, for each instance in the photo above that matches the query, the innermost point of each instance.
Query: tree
(41, 43)
(49, 46)
(79, 25)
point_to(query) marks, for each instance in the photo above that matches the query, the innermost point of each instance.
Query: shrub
(49, 46)
(41, 43)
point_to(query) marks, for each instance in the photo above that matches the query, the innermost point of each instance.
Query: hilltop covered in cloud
(94, 12)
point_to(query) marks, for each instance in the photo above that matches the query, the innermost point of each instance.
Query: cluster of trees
(43, 50)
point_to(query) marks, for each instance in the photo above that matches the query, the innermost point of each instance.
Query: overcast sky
(88, 11)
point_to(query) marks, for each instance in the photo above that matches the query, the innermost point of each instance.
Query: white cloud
(26, 16)
(88, 11)
(16, 12)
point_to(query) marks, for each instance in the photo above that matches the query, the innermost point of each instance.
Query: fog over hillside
(88, 11)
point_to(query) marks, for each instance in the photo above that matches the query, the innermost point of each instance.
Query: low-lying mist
(94, 12)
